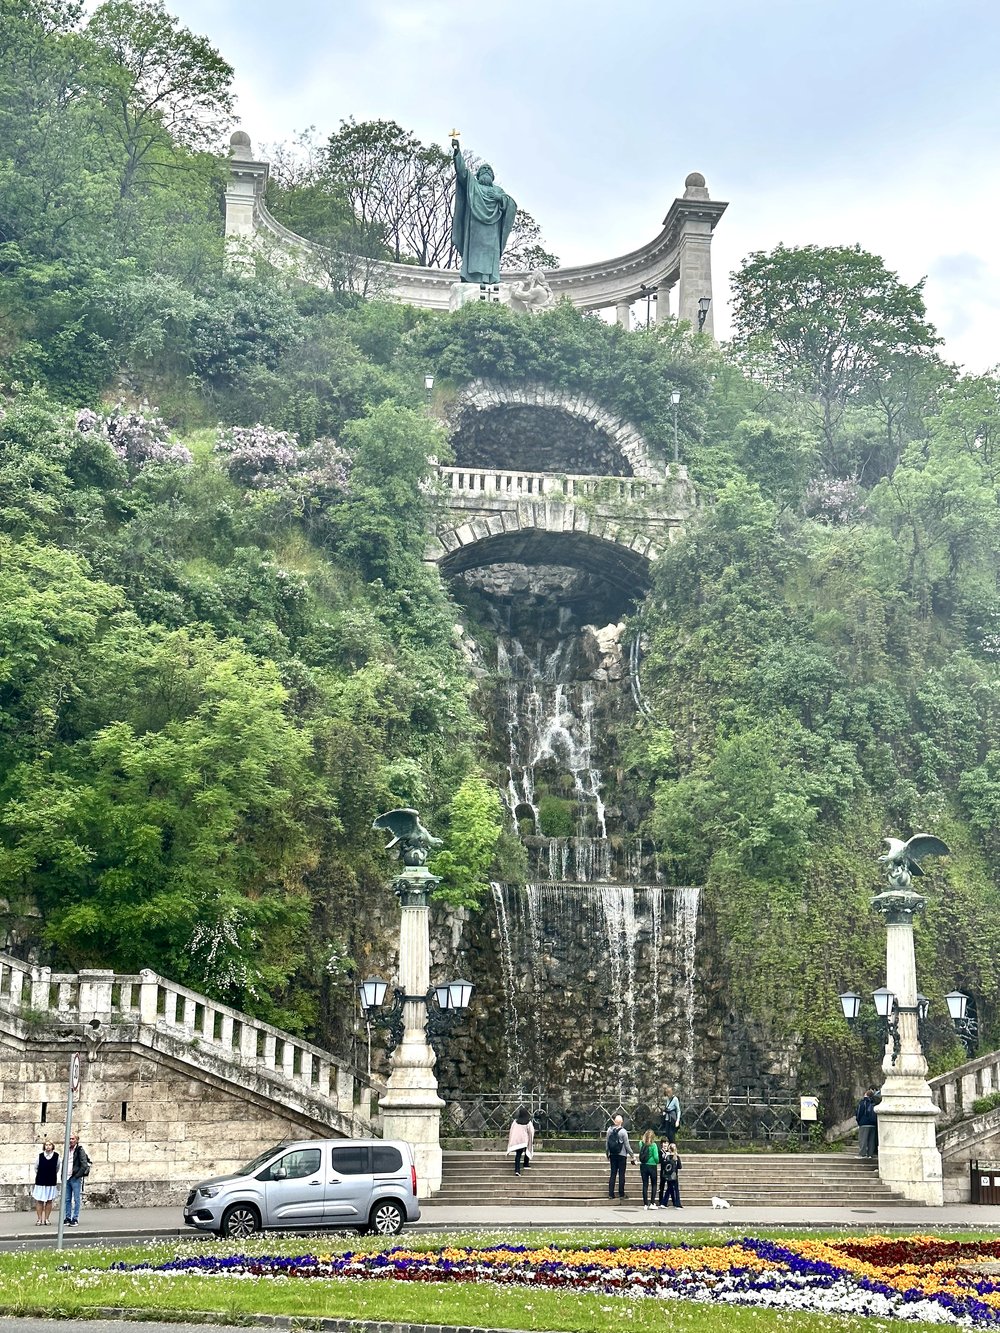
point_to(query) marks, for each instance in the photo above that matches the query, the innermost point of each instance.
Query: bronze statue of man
(484, 216)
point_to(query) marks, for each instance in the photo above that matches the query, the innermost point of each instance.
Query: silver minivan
(370, 1184)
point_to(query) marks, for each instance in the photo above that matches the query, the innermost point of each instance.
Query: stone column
(908, 1158)
(623, 314)
(149, 990)
(246, 185)
(696, 274)
(411, 1107)
(692, 219)
(94, 996)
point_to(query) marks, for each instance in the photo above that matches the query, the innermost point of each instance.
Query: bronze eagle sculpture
(902, 860)
(412, 839)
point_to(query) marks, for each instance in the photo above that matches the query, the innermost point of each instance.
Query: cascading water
(598, 976)
(687, 900)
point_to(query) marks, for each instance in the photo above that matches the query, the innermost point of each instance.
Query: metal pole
(675, 433)
(73, 1082)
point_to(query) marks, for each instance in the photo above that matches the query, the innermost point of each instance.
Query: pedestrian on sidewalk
(619, 1152)
(649, 1166)
(79, 1164)
(521, 1139)
(671, 1167)
(46, 1187)
(671, 1115)
(867, 1124)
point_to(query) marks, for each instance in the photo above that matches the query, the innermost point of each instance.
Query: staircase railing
(955, 1091)
(37, 995)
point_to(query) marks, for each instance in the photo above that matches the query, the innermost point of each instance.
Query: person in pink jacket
(521, 1139)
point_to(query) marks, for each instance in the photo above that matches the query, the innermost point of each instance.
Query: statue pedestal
(411, 1108)
(464, 293)
(530, 296)
(908, 1158)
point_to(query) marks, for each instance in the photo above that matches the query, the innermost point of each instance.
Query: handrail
(151, 1001)
(956, 1090)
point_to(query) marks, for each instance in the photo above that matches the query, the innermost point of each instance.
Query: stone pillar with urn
(908, 1158)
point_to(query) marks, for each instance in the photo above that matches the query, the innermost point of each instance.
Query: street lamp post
(965, 1025)
(649, 292)
(675, 398)
(411, 1107)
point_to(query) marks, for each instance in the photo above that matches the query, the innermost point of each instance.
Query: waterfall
(656, 915)
(597, 969)
(686, 902)
(508, 974)
(621, 933)
(548, 719)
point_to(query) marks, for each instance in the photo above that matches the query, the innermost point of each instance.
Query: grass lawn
(70, 1285)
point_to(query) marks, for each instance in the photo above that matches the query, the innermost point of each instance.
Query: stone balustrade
(462, 482)
(955, 1091)
(151, 1002)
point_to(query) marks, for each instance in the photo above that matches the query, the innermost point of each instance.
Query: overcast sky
(876, 122)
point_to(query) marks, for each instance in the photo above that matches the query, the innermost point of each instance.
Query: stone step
(776, 1180)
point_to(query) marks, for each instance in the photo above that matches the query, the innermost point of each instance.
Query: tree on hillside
(399, 196)
(42, 153)
(834, 320)
(160, 87)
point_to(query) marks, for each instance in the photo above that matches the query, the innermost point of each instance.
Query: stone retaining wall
(152, 1126)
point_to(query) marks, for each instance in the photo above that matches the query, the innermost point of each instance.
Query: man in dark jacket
(867, 1124)
(619, 1151)
(79, 1170)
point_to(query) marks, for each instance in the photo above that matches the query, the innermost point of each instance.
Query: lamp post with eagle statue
(411, 1107)
(908, 1158)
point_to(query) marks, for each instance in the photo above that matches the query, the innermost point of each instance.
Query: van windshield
(258, 1161)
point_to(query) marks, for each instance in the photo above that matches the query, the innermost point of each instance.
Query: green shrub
(988, 1103)
(555, 817)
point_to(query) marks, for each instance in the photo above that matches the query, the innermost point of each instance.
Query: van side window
(386, 1161)
(295, 1165)
(350, 1161)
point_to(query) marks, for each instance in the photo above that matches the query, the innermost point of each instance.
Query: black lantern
(372, 993)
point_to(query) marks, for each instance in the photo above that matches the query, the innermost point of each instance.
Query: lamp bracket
(439, 1022)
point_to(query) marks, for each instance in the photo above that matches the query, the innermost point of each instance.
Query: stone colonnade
(680, 256)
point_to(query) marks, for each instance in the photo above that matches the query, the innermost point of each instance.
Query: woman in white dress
(46, 1189)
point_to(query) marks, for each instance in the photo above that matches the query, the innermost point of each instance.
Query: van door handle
(315, 1182)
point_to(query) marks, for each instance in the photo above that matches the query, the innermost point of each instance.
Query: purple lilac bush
(262, 458)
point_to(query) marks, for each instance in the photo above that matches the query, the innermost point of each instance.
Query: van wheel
(240, 1221)
(386, 1219)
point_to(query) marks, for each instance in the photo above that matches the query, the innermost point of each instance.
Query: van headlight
(208, 1192)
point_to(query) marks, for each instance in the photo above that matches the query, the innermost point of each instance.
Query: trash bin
(985, 1179)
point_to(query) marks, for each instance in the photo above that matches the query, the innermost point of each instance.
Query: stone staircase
(760, 1180)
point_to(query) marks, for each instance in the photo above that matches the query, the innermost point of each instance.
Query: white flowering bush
(136, 438)
(833, 499)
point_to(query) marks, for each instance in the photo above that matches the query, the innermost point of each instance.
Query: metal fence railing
(742, 1116)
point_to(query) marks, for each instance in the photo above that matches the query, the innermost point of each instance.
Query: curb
(314, 1323)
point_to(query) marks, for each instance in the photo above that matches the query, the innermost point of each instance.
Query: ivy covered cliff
(222, 653)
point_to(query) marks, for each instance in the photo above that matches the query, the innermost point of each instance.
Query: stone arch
(499, 425)
(549, 534)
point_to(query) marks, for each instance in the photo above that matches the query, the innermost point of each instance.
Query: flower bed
(920, 1277)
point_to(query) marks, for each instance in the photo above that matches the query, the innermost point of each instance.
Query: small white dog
(719, 1203)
